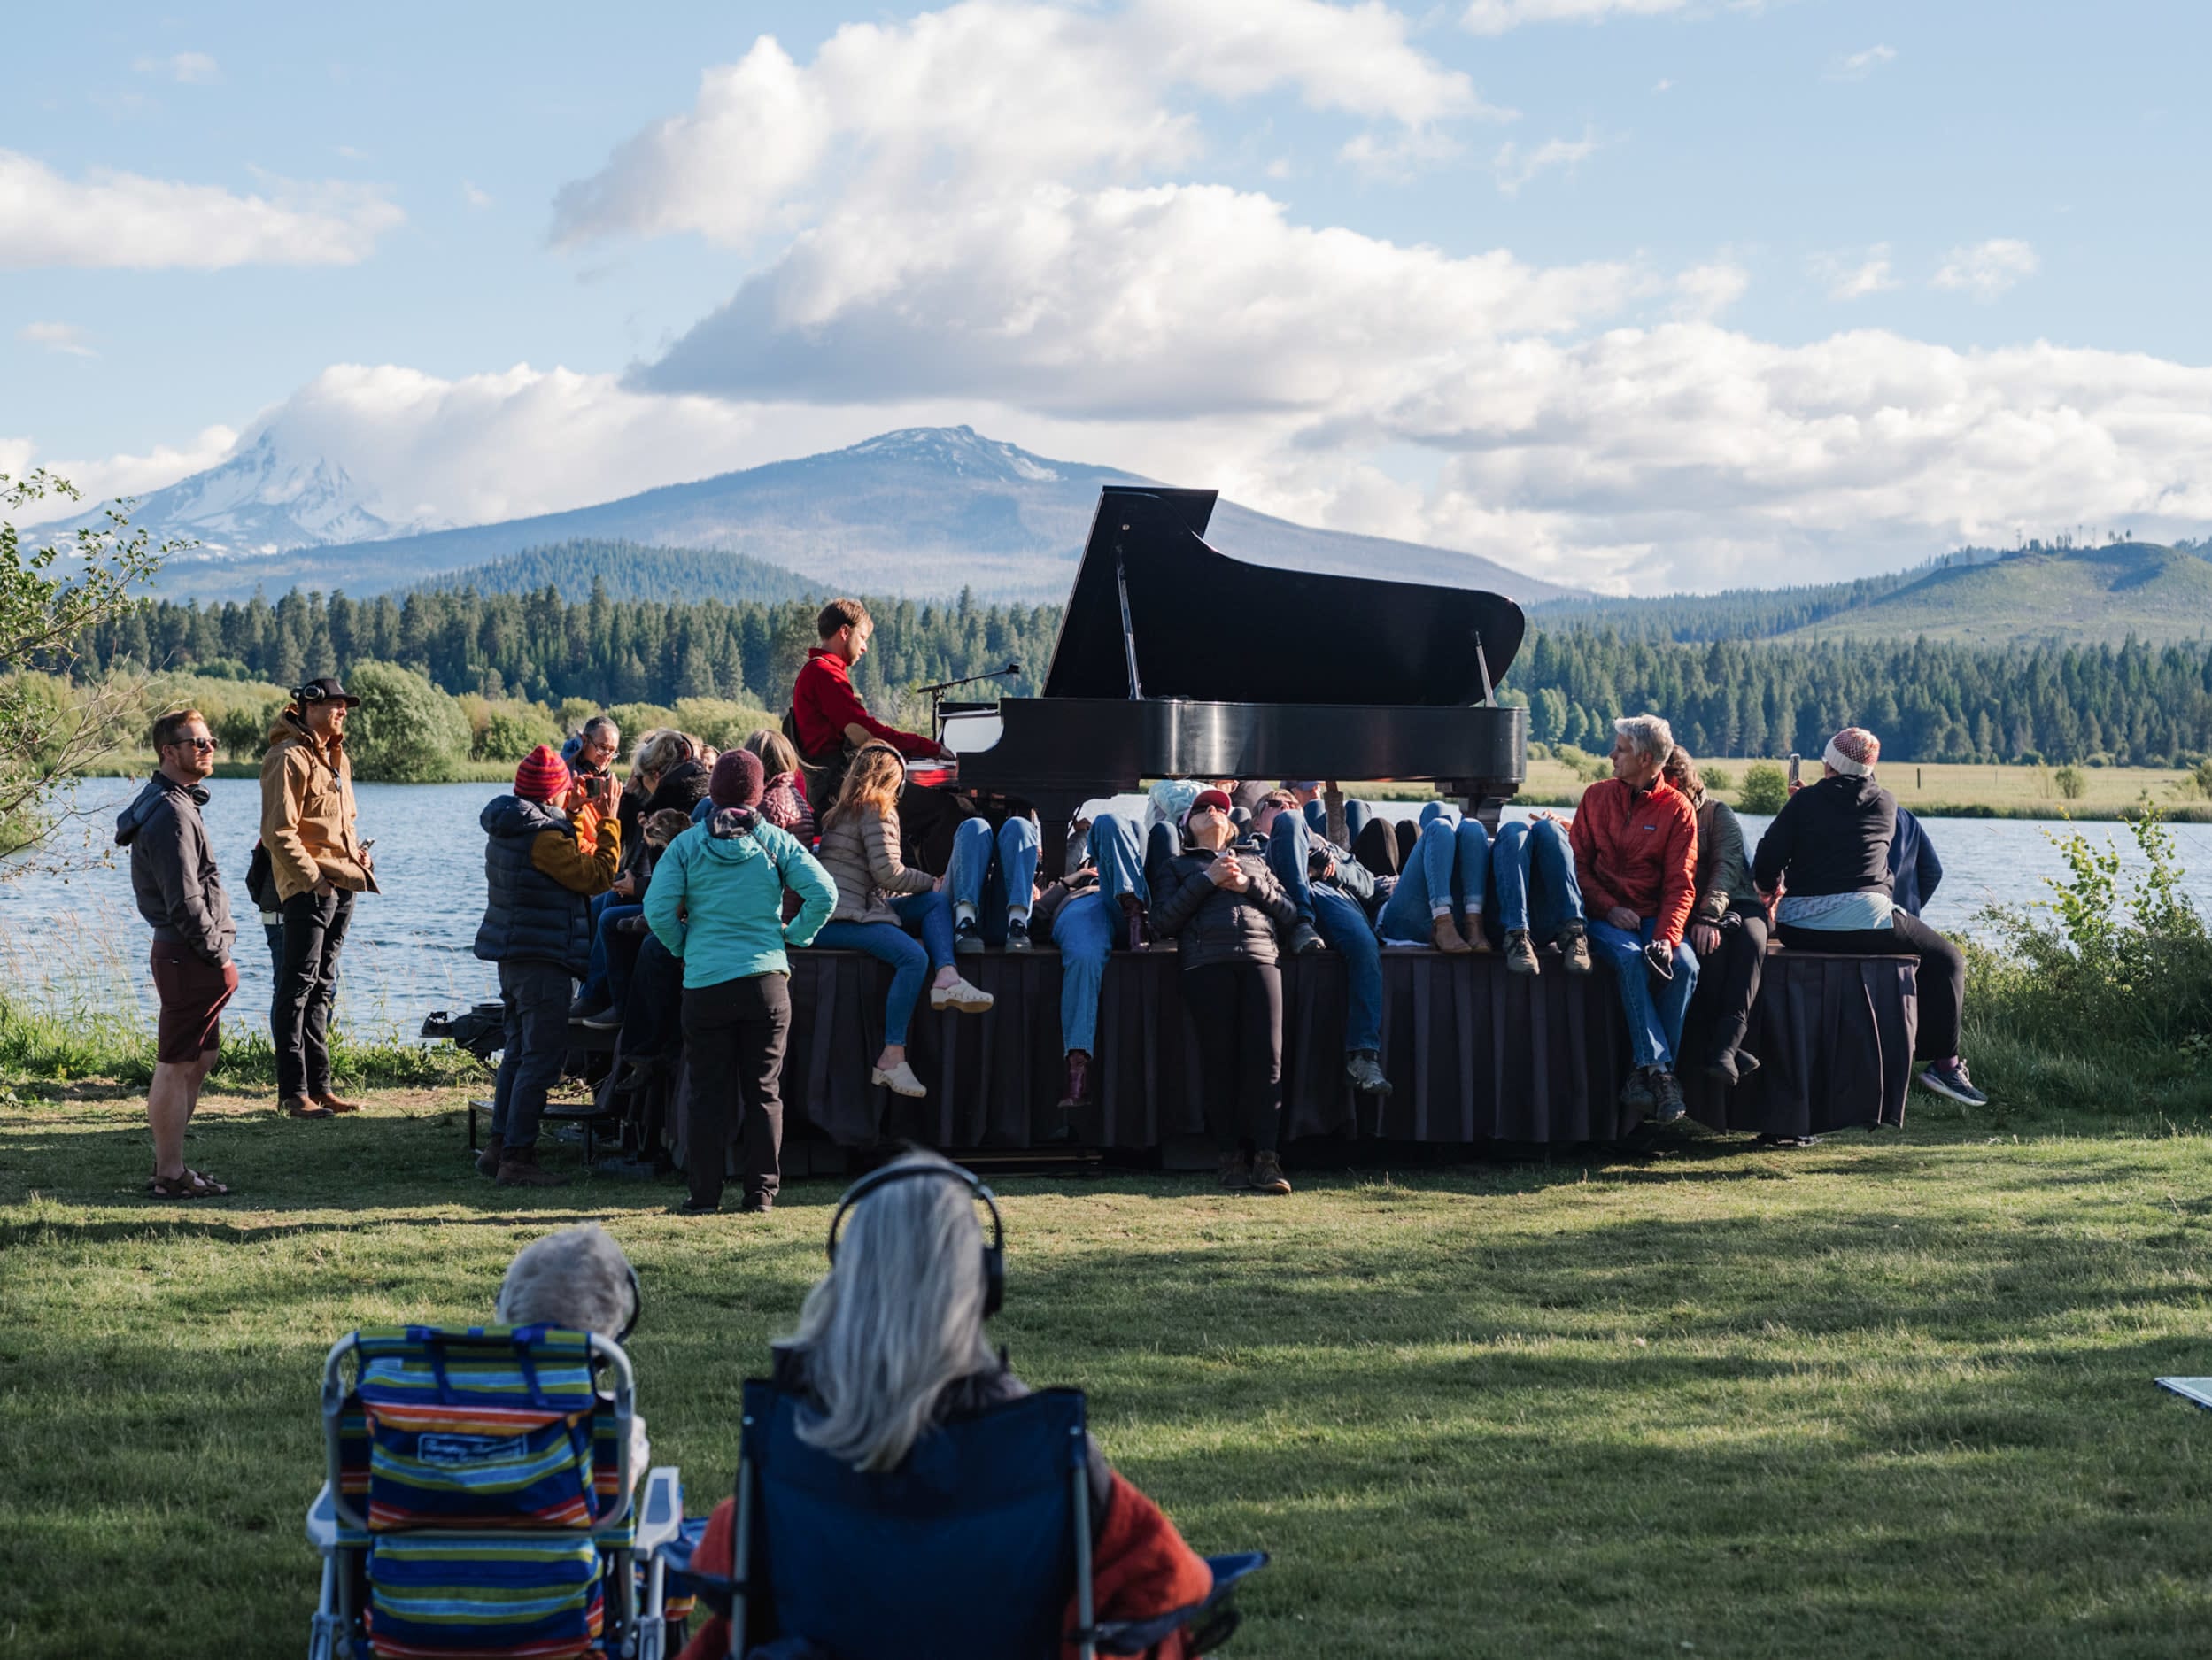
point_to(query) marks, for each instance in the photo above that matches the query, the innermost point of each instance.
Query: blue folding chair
(971, 1550)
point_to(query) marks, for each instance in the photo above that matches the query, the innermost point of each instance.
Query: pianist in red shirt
(829, 719)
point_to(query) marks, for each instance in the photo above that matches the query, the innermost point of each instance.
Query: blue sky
(1649, 295)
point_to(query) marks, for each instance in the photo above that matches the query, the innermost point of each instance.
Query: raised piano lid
(1212, 629)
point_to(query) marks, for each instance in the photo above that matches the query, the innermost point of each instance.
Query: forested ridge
(2132, 703)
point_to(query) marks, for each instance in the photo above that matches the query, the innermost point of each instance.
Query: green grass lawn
(1884, 1396)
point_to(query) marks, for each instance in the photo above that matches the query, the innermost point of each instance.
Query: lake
(77, 939)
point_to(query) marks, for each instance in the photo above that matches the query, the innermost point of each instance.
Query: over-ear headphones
(994, 1253)
(637, 1303)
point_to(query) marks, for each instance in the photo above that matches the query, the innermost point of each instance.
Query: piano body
(1175, 660)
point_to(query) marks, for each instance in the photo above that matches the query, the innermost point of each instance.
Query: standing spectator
(717, 901)
(1728, 928)
(1915, 870)
(537, 927)
(179, 890)
(319, 864)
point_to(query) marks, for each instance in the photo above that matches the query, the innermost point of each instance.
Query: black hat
(323, 689)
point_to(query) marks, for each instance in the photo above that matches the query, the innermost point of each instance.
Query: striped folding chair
(477, 1500)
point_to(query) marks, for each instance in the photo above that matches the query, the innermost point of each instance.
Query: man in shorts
(180, 892)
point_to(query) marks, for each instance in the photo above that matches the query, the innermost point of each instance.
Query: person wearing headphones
(579, 1279)
(891, 1343)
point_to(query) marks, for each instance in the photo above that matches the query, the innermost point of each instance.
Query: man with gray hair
(1636, 858)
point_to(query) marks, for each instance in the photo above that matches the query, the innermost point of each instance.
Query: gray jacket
(1211, 925)
(173, 869)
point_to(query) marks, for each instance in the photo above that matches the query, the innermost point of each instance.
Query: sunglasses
(194, 742)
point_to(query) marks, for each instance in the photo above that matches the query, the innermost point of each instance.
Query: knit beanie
(542, 776)
(736, 779)
(1853, 752)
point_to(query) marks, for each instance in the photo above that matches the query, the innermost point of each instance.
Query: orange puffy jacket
(1638, 852)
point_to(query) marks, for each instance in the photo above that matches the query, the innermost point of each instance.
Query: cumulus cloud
(123, 220)
(1496, 17)
(64, 337)
(1987, 269)
(104, 478)
(185, 68)
(1514, 167)
(1852, 277)
(1859, 66)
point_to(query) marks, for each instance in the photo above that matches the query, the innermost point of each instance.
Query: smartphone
(1797, 767)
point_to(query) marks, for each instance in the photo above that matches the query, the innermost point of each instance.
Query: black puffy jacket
(1211, 925)
(527, 914)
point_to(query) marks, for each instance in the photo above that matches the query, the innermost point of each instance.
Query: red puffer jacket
(1638, 852)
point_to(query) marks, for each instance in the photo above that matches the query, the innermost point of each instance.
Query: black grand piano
(1177, 662)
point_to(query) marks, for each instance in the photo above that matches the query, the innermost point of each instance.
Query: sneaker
(1303, 941)
(1471, 930)
(1637, 1095)
(1017, 933)
(1574, 946)
(1521, 953)
(488, 1161)
(960, 997)
(1443, 933)
(967, 938)
(1267, 1177)
(900, 1080)
(1236, 1171)
(1667, 1095)
(1949, 1078)
(300, 1107)
(518, 1168)
(606, 1020)
(1366, 1072)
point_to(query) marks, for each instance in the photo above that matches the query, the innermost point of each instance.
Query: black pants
(1236, 1009)
(534, 998)
(306, 986)
(1942, 971)
(1727, 982)
(733, 1038)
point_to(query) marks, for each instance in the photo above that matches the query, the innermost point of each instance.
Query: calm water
(78, 940)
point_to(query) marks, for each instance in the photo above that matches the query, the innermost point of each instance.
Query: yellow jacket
(307, 812)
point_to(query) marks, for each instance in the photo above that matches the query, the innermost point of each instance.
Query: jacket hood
(157, 791)
(512, 815)
(683, 785)
(725, 838)
(1858, 790)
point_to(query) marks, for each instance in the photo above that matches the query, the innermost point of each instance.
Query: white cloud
(186, 68)
(1514, 167)
(1854, 277)
(123, 220)
(1661, 85)
(1987, 269)
(1707, 290)
(1496, 17)
(1859, 66)
(65, 337)
(102, 478)
(475, 197)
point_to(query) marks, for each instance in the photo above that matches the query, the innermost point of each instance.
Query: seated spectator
(717, 903)
(672, 776)
(891, 1343)
(783, 793)
(1532, 872)
(1327, 811)
(878, 896)
(1635, 859)
(1091, 912)
(992, 882)
(1728, 928)
(1440, 893)
(1332, 891)
(578, 1278)
(1224, 906)
(1828, 851)
(537, 928)
(1915, 870)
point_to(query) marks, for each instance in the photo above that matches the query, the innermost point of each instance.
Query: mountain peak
(956, 449)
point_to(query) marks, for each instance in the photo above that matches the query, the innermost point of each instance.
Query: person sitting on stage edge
(1089, 913)
(1532, 872)
(1332, 892)
(536, 926)
(992, 882)
(1827, 851)
(1727, 929)
(1635, 859)
(783, 789)
(1327, 811)
(1224, 907)
(891, 1343)
(1915, 870)
(878, 896)
(717, 903)
(1440, 893)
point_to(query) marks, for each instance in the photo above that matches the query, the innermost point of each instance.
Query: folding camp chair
(974, 1547)
(477, 1500)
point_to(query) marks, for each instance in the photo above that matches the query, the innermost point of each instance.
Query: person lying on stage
(1827, 853)
(1089, 914)
(1327, 811)
(1440, 895)
(1727, 929)
(992, 882)
(1636, 858)
(1332, 891)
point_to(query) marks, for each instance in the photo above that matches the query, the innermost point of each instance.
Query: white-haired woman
(580, 1278)
(891, 1343)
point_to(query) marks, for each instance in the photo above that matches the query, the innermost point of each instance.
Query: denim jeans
(1533, 868)
(911, 959)
(599, 988)
(994, 877)
(1343, 927)
(1655, 1013)
(1090, 925)
(1450, 871)
(1356, 817)
(535, 996)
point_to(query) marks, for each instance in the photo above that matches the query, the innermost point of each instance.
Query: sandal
(191, 1185)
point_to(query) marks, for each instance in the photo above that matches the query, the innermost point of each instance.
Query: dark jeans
(1727, 982)
(733, 1038)
(654, 994)
(1236, 1010)
(607, 974)
(306, 986)
(1942, 971)
(535, 995)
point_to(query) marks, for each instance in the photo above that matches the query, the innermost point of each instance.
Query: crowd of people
(675, 894)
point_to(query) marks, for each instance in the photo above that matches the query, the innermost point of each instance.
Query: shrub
(407, 731)
(1765, 787)
(637, 719)
(510, 735)
(2070, 783)
(1719, 779)
(720, 722)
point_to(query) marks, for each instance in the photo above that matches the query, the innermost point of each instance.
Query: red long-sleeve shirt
(1638, 852)
(823, 703)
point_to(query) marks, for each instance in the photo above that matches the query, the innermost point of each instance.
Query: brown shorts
(192, 999)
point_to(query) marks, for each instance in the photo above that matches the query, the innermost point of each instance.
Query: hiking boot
(700, 1204)
(1303, 941)
(1267, 1177)
(1948, 1077)
(1443, 933)
(967, 939)
(1235, 1170)
(1637, 1095)
(1077, 1088)
(518, 1168)
(1667, 1095)
(1140, 925)
(488, 1161)
(1521, 953)
(1366, 1072)
(1731, 1065)
(960, 997)
(338, 1103)
(756, 1204)
(1017, 933)
(1477, 936)
(300, 1107)
(1574, 946)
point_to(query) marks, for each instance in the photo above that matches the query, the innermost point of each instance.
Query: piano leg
(1054, 808)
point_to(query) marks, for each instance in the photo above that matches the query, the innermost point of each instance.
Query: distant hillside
(630, 570)
(2089, 595)
(1733, 614)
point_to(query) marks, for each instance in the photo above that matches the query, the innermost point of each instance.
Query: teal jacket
(717, 899)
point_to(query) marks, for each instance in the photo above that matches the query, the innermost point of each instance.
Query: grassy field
(1884, 1396)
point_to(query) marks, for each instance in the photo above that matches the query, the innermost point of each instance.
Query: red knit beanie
(542, 776)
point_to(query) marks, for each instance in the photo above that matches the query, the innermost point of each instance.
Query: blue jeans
(995, 877)
(1356, 817)
(1655, 1013)
(535, 996)
(911, 959)
(1450, 871)
(1343, 927)
(1533, 868)
(599, 976)
(1090, 925)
